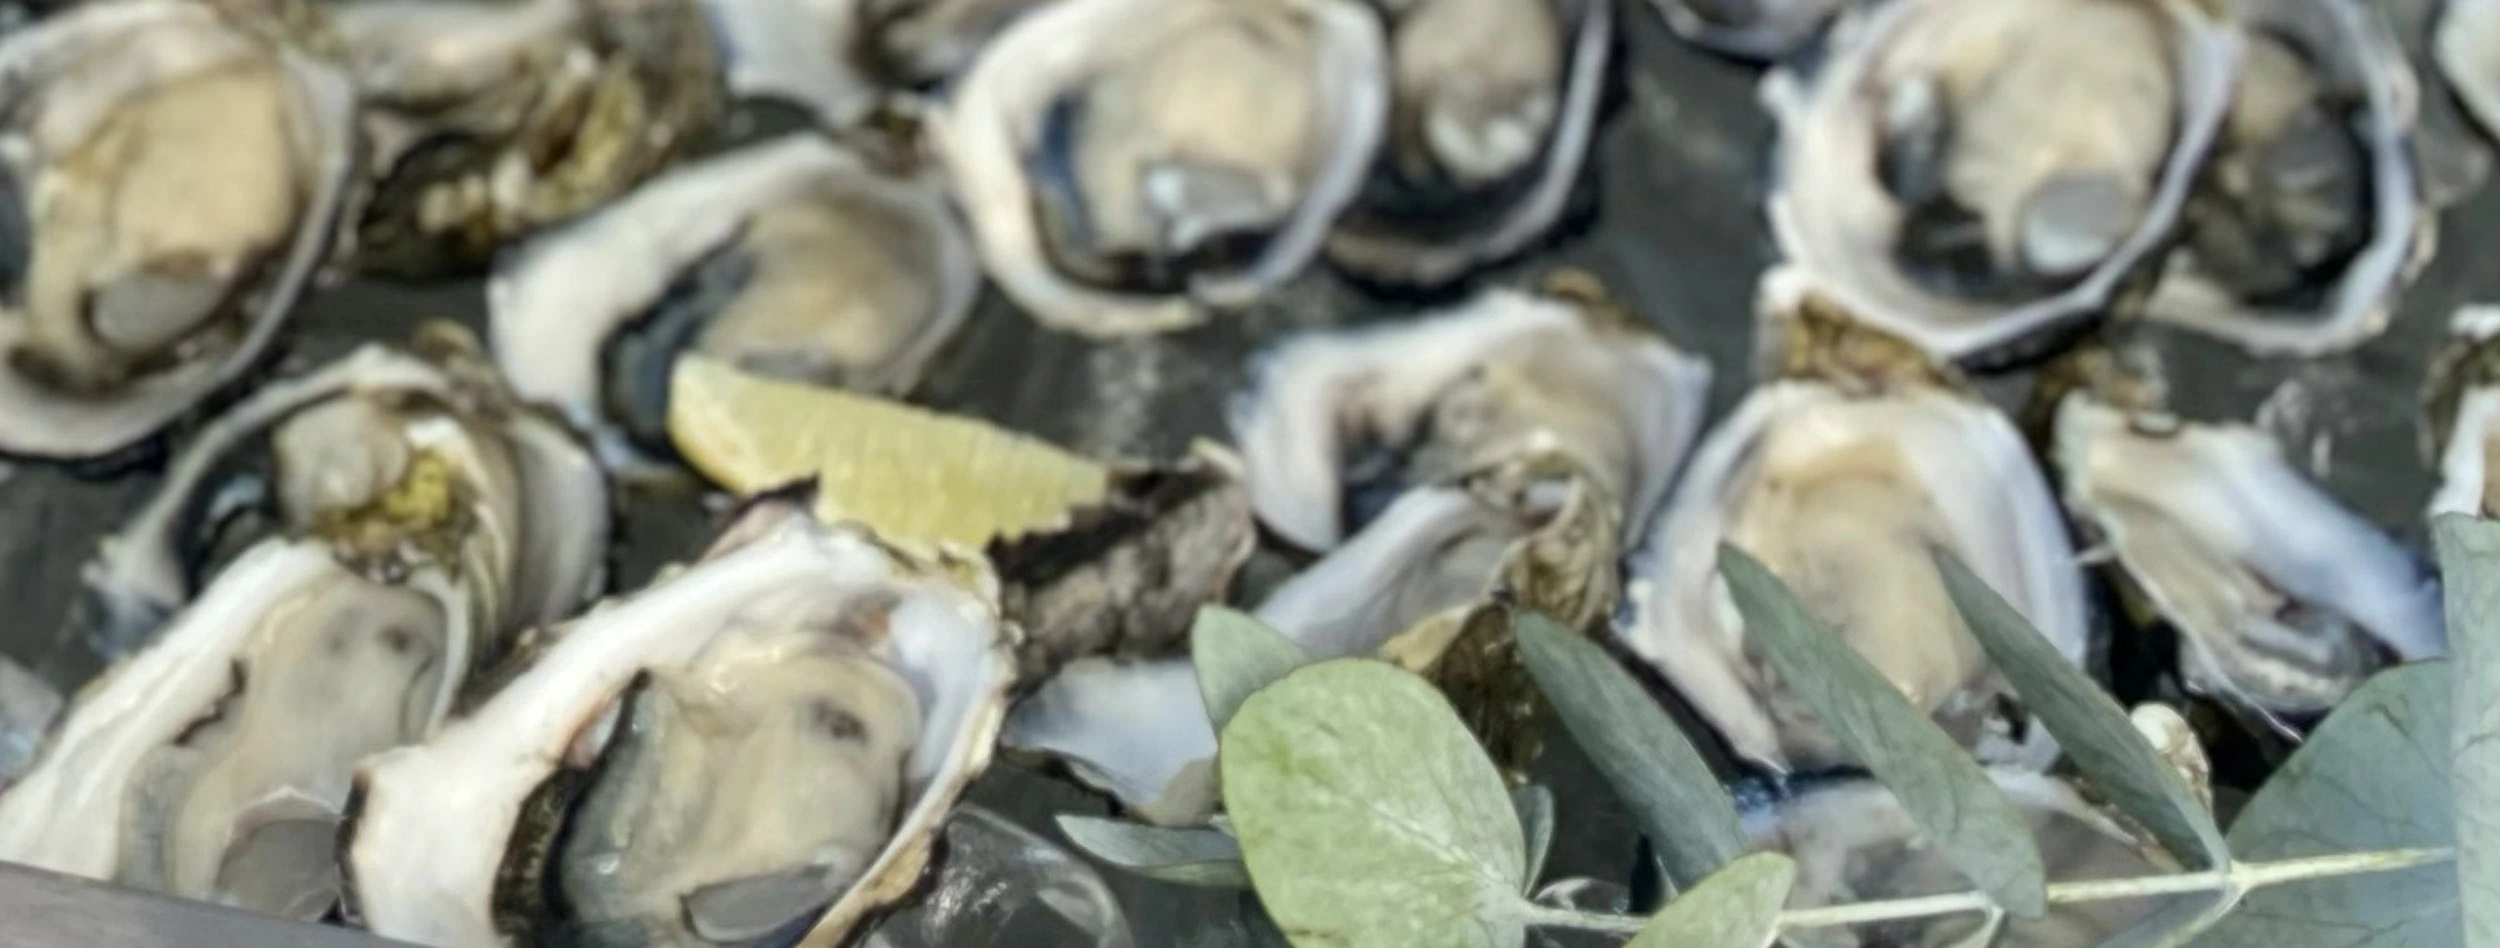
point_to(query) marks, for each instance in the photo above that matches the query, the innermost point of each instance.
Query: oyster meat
(214, 764)
(1127, 163)
(491, 118)
(1842, 476)
(796, 258)
(1494, 103)
(401, 463)
(1980, 176)
(762, 744)
(2283, 599)
(2309, 218)
(169, 182)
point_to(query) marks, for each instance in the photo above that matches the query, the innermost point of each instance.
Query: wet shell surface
(116, 322)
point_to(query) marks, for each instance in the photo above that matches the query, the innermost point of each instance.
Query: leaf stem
(2243, 876)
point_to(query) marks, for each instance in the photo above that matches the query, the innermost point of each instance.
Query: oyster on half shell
(1979, 176)
(759, 746)
(1842, 474)
(797, 258)
(2283, 599)
(169, 182)
(1128, 163)
(400, 463)
(2310, 217)
(1494, 104)
(214, 764)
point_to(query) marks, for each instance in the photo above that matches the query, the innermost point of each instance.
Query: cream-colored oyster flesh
(215, 763)
(1974, 175)
(814, 659)
(2281, 596)
(2311, 217)
(121, 316)
(796, 258)
(1127, 164)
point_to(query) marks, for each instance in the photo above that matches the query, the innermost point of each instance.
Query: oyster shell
(1978, 175)
(1853, 843)
(399, 463)
(796, 258)
(2282, 598)
(848, 691)
(214, 764)
(1842, 484)
(2310, 217)
(1335, 425)
(2464, 425)
(2462, 40)
(237, 154)
(1126, 163)
(843, 60)
(491, 118)
(1494, 105)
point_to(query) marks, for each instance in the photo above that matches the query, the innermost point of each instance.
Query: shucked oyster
(490, 118)
(1336, 425)
(2283, 599)
(168, 184)
(400, 464)
(1971, 174)
(1842, 476)
(759, 745)
(1853, 843)
(1519, 422)
(2309, 218)
(795, 259)
(1494, 104)
(2464, 429)
(215, 763)
(1126, 162)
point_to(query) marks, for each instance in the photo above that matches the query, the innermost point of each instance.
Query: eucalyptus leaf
(1943, 790)
(2469, 562)
(1644, 756)
(1369, 817)
(2092, 728)
(1198, 857)
(1237, 655)
(1535, 806)
(1736, 907)
(2373, 777)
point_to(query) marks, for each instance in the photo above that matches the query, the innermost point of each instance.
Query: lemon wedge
(918, 477)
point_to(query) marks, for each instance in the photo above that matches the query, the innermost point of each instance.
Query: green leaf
(2372, 777)
(1199, 857)
(1368, 815)
(1735, 907)
(1535, 806)
(1644, 756)
(2092, 729)
(1943, 790)
(2469, 561)
(1237, 655)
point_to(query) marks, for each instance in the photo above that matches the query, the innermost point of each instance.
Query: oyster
(491, 118)
(2464, 427)
(1979, 175)
(168, 185)
(1494, 104)
(1853, 843)
(761, 744)
(844, 59)
(1126, 163)
(1753, 29)
(400, 463)
(2283, 598)
(1841, 474)
(795, 259)
(2462, 41)
(214, 764)
(2309, 218)
(1336, 425)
